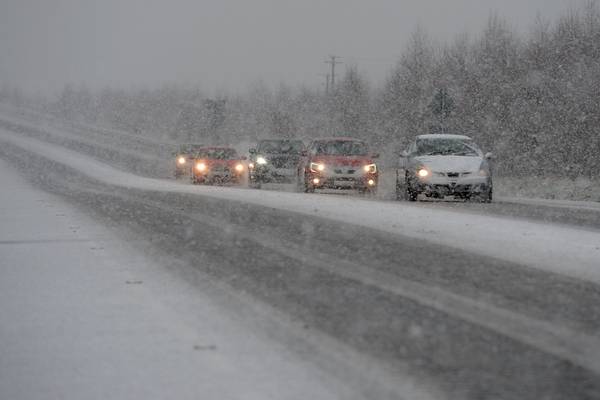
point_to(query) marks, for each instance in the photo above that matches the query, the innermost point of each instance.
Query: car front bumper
(343, 181)
(270, 174)
(438, 186)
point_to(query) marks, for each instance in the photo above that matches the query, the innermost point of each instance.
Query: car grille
(341, 171)
(453, 174)
(284, 161)
(220, 168)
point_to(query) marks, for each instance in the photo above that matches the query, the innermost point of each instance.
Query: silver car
(439, 165)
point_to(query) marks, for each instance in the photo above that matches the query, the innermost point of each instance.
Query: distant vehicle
(183, 158)
(439, 165)
(217, 165)
(274, 160)
(338, 163)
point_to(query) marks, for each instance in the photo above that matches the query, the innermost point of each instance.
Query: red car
(217, 165)
(339, 163)
(183, 157)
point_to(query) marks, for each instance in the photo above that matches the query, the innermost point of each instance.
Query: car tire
(308, 188)
(399, 191)
(409, 194)
(254, 184)
(489, 196)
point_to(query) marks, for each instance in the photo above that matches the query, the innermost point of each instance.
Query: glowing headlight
(201, 167)
(371, 182)
(181, 160)
(250, 165)
(260, 160)
(314, 167)
(423, 173)
(239, 167)
(371, 168)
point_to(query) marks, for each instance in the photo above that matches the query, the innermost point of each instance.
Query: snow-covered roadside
(85, 316)
(555, 248)
(549, 188)
(569, 204)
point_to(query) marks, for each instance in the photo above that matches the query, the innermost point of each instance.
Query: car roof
(443, 136)
(216, 148)
(279, 140)
(338, 139)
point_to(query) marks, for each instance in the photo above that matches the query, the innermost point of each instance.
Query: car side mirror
(252, 151)
(375, 155)
(489, 156)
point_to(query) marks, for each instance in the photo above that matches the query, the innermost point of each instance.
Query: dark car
(274, 160)
(338, 163)
(217, 165)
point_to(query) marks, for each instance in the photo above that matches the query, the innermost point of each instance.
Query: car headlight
(260, 160)
(181, 160)
(250, 165)
(422, 173)
(239, 167)
(317, 167)
(201, 167)
(371, 168)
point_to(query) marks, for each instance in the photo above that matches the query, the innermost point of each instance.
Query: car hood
(283, 160)
(450, 163)
(214, 163)
(349, 161)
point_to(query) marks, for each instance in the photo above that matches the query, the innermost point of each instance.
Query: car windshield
(341, 148)
(218, 154)
(447, 147)
(280, 146)
(189, 148)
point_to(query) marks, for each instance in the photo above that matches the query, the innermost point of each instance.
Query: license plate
(342, 183)
(284, 172)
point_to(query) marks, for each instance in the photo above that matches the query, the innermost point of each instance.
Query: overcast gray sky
(225, 44)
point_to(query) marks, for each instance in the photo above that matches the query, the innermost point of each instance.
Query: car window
(446, 146)
(281, 146)
(218, 154)
(341, 148)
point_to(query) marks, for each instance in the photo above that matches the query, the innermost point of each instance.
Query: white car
(439, 165)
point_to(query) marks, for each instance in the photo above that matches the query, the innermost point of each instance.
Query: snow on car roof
(216, 148)
(338, 138)
(443, 136)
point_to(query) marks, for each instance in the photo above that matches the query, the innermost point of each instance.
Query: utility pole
(326, 76)
(332, 61)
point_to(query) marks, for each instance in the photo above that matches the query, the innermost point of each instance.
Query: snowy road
(461, 302)
(86, 316)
